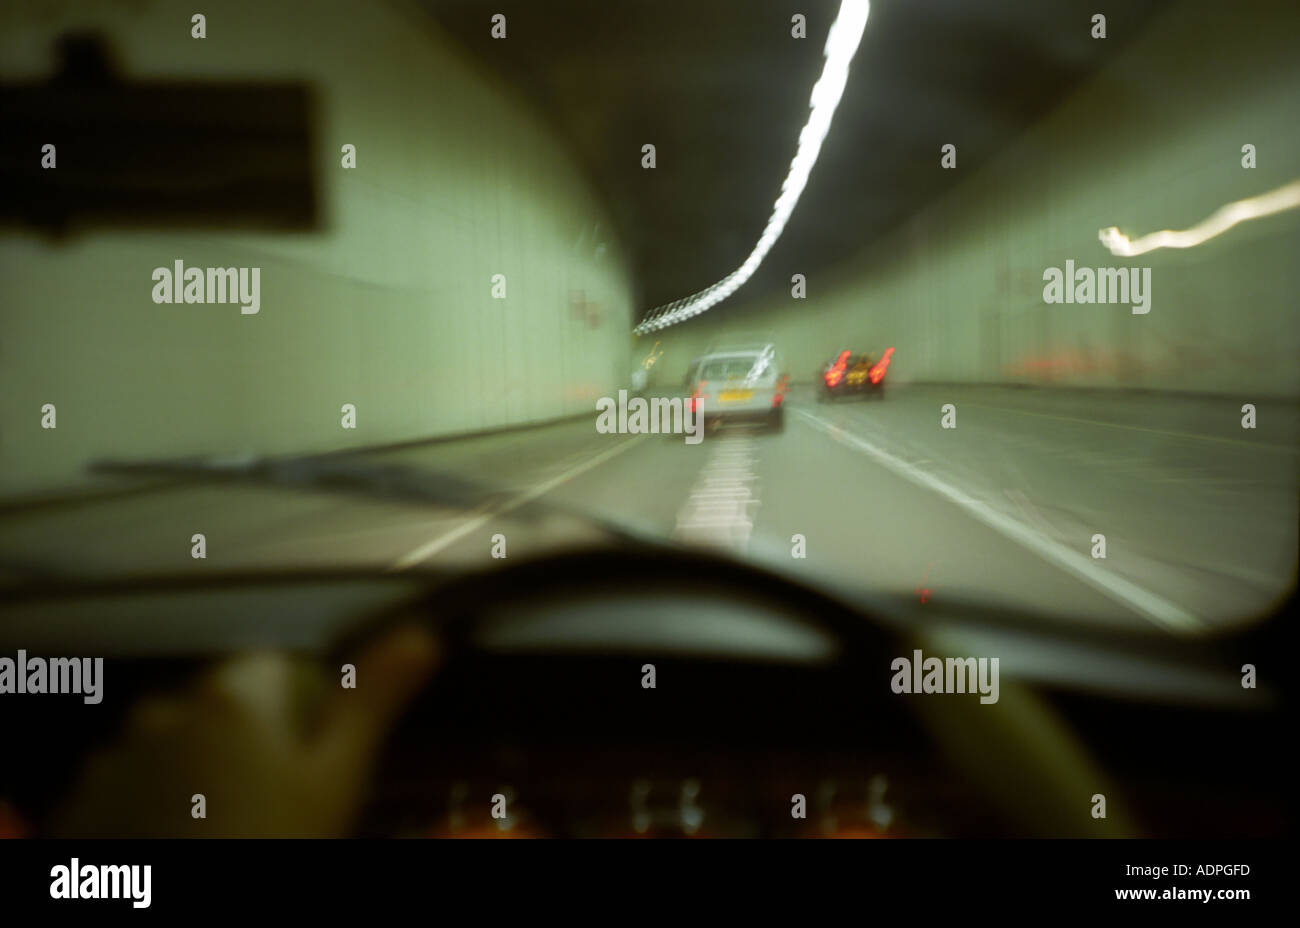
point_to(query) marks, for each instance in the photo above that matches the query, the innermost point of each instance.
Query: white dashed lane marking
(720, 510)
(441, 542)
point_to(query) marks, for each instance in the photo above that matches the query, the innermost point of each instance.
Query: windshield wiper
(346, 473)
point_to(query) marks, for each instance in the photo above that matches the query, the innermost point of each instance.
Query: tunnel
(576, 330)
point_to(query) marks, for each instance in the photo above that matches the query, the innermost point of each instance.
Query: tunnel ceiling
(721, 89)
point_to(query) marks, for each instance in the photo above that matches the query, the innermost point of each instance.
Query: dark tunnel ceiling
(721, 89)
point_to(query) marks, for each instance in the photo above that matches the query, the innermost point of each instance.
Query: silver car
(740, 384)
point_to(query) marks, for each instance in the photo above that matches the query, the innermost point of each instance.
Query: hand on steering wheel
(274, 745)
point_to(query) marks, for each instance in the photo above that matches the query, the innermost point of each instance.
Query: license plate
(735, 396)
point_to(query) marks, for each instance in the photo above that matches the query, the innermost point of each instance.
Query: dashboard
(674, 694)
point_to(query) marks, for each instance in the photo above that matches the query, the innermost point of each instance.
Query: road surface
(1199, 515)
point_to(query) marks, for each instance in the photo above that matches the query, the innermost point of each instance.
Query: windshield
(652, 418)
(478, 332)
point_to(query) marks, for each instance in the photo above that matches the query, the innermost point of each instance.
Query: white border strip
(1160, 611)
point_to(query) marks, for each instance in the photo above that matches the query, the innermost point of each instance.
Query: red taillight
(697, 396)
(877, 372)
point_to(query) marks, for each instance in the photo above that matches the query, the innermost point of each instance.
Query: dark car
(854, 375)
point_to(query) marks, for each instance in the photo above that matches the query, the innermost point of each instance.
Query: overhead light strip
(1223, 219)
(841, 45)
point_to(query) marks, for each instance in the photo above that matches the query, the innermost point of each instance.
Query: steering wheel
(575, 684)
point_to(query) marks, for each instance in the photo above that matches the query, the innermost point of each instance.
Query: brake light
(836, 372)
(877, 372)
(697, 396)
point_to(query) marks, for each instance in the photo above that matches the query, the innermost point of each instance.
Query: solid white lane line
(1153, 607)
(432, 547)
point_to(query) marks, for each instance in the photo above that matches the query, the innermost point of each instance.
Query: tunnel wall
(388, 307)
(1151, 141)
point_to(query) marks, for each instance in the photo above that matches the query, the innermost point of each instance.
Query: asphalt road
(1199, 515)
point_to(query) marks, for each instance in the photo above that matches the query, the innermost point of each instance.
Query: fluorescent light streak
(1223, 219)
(841, 44)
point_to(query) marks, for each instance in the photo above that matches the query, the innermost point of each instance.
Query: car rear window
(728, 369)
